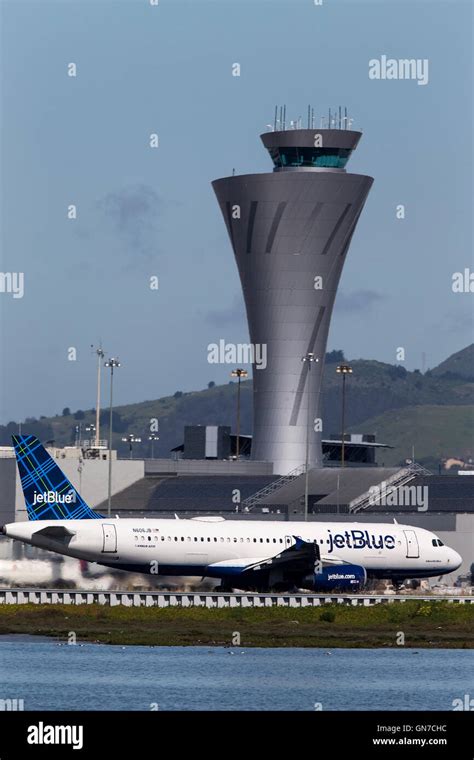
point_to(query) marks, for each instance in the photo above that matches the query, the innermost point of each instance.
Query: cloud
(358, 300)
(134, 212)
(231, 315)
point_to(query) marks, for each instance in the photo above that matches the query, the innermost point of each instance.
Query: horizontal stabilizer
(56, 533)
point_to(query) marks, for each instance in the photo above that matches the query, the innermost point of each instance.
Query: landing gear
(224, 589)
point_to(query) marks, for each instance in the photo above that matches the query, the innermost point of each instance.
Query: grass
(435, 431)
(424, 624)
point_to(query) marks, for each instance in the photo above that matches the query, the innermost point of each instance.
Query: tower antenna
(275, 124)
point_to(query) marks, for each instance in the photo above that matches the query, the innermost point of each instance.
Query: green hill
(435, 432)
(433, 411)
(459, 365)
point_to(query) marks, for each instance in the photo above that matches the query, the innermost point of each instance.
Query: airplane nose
(456, 559)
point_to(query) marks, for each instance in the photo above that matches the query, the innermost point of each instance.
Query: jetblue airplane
(244, 554)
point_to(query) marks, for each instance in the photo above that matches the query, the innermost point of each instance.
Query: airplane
(245, 554)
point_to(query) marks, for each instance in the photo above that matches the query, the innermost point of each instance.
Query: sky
(146, 212)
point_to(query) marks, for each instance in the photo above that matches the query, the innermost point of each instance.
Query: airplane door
(110, 537)
(412, 544)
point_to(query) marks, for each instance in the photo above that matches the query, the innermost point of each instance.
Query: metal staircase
(400, 478)
(251, 501)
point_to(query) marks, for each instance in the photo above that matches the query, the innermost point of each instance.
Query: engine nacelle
(340, 578)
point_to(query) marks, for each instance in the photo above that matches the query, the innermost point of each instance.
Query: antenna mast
(100, 355)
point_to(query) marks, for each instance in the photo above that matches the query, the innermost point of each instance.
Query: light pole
(153, 437)
(131, 439)
(111, 363)
(239, 373)
(100, 355)
(308, 358)
(343, 369)
(91, 429)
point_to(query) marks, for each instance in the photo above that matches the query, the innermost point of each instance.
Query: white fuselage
(207, 546)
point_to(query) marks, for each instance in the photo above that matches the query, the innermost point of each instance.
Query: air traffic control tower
(290, 231)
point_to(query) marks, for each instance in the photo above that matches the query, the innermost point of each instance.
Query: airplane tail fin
(49, 495)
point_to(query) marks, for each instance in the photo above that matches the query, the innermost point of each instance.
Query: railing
(211, 599)
(251, 501)
(398, 479)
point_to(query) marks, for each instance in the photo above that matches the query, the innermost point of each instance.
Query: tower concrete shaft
(290, 231)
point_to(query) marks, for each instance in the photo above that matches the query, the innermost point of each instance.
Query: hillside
(434, 431)
(459, 365)
(432, 411)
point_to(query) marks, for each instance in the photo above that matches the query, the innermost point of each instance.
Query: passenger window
(176, 538)
(281, 540)
(195, 538)
(274, 540)
(182, 538)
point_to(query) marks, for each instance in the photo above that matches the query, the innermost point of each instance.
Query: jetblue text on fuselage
(359, 539)
(53, 497)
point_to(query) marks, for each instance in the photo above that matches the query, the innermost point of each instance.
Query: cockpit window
(440, 543)
(437, 542)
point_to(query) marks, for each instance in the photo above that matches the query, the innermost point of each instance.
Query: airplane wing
(301, 557)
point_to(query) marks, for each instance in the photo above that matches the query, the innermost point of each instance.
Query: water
(52, 676)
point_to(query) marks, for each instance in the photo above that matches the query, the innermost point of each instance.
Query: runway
(210, 599)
